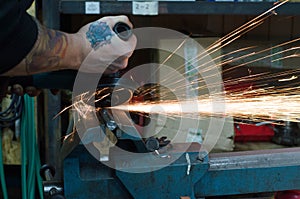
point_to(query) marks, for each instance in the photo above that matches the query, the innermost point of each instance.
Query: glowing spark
(286, 57)
(58, 114)
(69, 136)
(102, 97)
(180, 45)
(288, 79)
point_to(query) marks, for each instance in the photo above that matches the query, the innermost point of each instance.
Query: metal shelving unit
(181, 7)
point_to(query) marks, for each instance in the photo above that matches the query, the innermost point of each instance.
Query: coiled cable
(12, 112)
(8, 117)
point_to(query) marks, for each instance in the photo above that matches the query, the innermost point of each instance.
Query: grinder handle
(123, 30)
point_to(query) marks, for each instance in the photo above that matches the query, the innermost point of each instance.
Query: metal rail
(181, 7)
(256, 159)
(251, 172)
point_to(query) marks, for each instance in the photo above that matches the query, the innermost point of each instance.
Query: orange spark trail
(274, 107)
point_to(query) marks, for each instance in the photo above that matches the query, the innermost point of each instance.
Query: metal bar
(251, 172)
(197, 7)
(51, 17)
(53, 131)
(256, 159)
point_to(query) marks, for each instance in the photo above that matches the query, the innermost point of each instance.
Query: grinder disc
(114, 91)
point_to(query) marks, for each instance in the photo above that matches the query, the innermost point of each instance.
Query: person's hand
(103, 51)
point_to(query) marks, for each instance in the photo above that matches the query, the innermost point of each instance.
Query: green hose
(2, 176)
(38, 176)
(30, 153)
(31, 147)
(24, 152)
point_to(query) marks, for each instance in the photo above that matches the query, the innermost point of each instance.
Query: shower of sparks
(255, 105)
(268, 103)
(84, 103)
(229, 38)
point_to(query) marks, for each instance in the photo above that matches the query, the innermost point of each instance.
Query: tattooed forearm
(55, 50)
(48, 51)
(99, 34)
